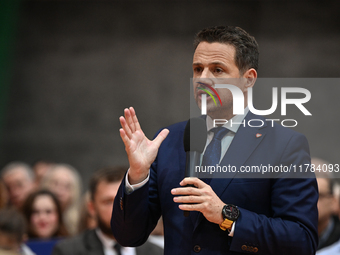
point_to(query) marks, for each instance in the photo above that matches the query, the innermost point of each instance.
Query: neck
(108, 235)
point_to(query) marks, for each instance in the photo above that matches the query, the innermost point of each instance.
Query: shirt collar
(236, 120)
(106, 241)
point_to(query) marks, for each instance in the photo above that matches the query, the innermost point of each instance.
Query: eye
(218, 70)
(49, 211)
(197, 69)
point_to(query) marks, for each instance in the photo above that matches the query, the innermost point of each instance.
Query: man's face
(19, 185)
(326, 202)
(214, 63)
(103, 203)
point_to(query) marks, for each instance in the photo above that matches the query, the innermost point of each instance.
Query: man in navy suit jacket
(229, 215)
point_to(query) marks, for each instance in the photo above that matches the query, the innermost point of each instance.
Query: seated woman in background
(43, 214)
(65, 182)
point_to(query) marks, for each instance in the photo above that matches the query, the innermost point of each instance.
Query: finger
(186, 191)
(125, 127)
(189, 199)
(134, 118)
(129, 120)
(191, 207)
(125, 138)
(161, 136)
(193, 181)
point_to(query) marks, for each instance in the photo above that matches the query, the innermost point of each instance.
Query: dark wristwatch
(230, 214)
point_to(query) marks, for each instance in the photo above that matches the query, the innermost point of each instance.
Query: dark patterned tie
(212, 154)
(118, 248)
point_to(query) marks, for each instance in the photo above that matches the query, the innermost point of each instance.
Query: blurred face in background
(327, 204)
(3, 195)
(40, 169)
(8, 244)
(62, 184)
(102, 204)
(44, 218)
(19, 185)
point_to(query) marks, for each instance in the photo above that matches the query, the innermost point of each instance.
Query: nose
(42, 216)
(206, 77)
(206, 73)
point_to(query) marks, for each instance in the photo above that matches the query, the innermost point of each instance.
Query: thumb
(160, 137)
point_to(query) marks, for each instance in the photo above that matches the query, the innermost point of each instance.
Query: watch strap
(226, 224)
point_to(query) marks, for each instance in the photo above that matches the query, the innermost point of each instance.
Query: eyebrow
(213, 63)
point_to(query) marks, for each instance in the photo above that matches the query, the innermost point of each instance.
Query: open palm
(140, 150)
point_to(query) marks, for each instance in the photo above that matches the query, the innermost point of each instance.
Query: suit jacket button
(256, 249)
(197, 248)
(121, 203)
(244, 247)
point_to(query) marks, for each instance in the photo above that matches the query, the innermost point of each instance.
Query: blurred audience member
(13, 233)
(329, 224)
(86, 219)
(64, 181)
(157, 235)
(40, 168)
(103, 187)
(43, 214)
(333, 249)
(18, 178)
(3, 195)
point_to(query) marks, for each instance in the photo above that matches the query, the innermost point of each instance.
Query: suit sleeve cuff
(131, 188)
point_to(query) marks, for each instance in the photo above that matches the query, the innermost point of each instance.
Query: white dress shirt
(333, 249)
(109, 243)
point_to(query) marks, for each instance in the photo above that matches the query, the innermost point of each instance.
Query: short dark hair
(12, 223)
(107, 174)
(246, 47)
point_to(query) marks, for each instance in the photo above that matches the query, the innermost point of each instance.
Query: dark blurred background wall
(75, 65)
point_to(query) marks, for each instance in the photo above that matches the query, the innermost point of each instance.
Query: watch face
(230, 212)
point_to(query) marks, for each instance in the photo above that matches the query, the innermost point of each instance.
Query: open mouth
(206, 89)
(201, 92)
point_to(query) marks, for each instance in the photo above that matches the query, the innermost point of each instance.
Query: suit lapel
(93, 243)
(242, 146)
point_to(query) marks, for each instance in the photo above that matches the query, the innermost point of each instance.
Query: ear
(90, 208)
(251, 76)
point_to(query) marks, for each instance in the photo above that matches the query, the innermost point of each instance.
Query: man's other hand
(199, 198)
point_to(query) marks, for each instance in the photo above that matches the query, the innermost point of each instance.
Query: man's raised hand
(140, 150)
